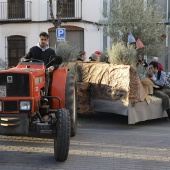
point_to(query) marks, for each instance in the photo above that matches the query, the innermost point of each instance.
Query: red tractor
(25, 107)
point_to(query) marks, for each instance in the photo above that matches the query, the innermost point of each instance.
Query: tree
(146, 22)
(59, 3)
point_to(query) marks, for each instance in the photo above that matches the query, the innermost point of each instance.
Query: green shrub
(122, 54)
(67, 51)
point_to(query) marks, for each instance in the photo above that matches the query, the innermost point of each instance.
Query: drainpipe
(167, 37)
(38, 17)
(6, 53)
(145, 4)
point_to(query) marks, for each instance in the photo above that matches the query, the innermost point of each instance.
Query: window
(16, 9)
(68, 9)
(16, 49)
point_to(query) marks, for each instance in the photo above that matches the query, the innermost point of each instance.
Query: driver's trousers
(47, 82)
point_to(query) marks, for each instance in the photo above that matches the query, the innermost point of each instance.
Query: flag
(131, 39)
(139, 44)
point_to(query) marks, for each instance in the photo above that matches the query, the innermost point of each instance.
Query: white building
(21, 22)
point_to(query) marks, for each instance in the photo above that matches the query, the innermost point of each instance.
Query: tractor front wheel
(62, 136)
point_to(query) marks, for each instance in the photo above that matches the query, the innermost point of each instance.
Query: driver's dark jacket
(37, 53)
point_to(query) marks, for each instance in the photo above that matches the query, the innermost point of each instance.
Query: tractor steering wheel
(32, 60)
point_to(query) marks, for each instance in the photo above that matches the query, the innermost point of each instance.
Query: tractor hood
(35, 69)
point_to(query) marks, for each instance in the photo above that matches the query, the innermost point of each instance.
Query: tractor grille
(10, 106)
(16, 85)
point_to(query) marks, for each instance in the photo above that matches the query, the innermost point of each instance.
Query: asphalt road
(103, 142)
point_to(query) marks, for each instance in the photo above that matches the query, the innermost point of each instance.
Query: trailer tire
(62, 136)
(71, 100)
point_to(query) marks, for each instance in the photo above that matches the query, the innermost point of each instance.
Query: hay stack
(83, 104)
(107, 82)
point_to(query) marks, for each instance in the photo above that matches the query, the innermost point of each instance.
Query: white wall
(30, 31)
(39, 8)
(91, 10)
(2, 45)
(92, 40)
(92, 33)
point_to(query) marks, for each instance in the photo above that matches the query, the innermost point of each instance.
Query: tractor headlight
(25, 105)
(0, 106)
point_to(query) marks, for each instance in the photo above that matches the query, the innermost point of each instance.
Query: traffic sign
(60, 32)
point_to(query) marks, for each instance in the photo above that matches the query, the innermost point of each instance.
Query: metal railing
(70, 10)
(15, 11)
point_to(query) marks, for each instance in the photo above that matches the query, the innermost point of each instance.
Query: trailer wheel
(62, 136)
(71, 100)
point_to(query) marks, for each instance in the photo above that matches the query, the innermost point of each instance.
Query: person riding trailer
(163, 92)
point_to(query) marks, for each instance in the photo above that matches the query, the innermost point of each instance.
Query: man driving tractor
(43, 52)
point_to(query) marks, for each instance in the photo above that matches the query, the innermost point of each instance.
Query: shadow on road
(109, 121)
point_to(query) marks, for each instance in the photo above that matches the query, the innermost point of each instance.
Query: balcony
(15, 12)
(71, 11)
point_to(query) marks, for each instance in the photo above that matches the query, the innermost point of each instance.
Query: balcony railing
(15, 11)
(70, 10)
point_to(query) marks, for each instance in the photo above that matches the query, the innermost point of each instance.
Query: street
(103, 142)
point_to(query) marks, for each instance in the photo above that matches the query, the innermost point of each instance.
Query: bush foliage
(122, 54)
(67, 51)
(141, 19)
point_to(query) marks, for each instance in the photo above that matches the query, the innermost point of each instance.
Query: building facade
(21, 22)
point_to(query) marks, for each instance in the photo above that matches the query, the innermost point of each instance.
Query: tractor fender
(58, 87)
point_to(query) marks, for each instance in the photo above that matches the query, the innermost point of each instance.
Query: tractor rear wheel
(71, 100)
(62, 136)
